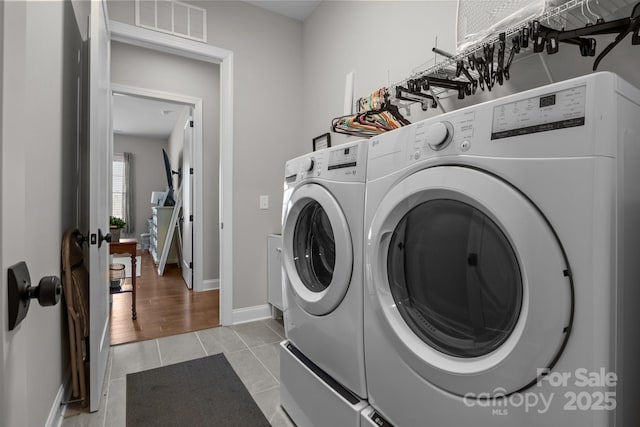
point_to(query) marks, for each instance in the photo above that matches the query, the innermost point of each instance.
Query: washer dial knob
(308, 164)
(439, 135)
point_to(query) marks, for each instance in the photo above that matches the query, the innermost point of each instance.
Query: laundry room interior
(372, 213)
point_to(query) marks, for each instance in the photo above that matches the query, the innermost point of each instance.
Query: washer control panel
(456, 133)
(345, 162)
(340, 158)
(557, 110)
(566, 119)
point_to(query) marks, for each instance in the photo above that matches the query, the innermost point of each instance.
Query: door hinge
(221, 225)
(191, 123)
(190, 171)
(190, 264)
(191, 218)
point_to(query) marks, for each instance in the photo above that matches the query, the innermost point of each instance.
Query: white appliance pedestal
(311, 397)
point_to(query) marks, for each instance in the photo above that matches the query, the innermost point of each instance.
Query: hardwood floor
(165, 306)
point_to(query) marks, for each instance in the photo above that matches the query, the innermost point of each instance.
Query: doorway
(136, 36)
(155, 132)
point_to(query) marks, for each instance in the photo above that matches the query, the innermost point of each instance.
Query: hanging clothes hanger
(515, 49)
(542, 35)
(375, 115)
(632, 26)
(462, 69)
(502, 44)
(415, 95)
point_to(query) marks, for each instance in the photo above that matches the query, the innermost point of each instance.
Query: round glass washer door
(468, 281)
(455, 278)
(318, 254)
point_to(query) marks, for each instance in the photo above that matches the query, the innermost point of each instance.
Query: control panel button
(465, 145)
(416, 155)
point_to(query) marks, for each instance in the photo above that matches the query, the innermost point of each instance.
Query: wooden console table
(128, 246)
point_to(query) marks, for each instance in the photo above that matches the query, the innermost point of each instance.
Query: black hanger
(537, 36)
(554, 37)
(550, 37)
(393, 110)
(515, 48)
(480, 67)
(406, 94)
(462, 69)
(501, 48)
(463, 88)
(524, 40)
(489, 77)
(632, 26)
(472, 61)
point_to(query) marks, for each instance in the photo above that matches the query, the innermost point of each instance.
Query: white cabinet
(158, 229)
(274, 267)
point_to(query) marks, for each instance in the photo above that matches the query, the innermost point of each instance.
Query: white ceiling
(133, 115)
(299, 9)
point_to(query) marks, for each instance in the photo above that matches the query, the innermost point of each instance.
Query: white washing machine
(502, 279)
(322, 257)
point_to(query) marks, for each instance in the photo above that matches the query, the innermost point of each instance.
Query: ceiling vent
(172, 17)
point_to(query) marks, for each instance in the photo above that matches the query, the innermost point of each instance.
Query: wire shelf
(566, 15)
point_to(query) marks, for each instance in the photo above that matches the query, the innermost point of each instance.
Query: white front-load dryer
(322, 259)
(501, 282)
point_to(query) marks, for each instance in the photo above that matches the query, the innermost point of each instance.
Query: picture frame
(322, 141)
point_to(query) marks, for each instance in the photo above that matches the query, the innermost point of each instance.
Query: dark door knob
(103, 237)
(82, 239)
(20, 292)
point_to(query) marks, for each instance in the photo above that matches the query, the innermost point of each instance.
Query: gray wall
(135, 66)
(381, 41)
(38, 146)
(405, 41)
(147, 175)
(268, 95)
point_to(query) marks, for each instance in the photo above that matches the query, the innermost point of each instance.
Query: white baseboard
(251, 314)
(210, 284)
(57, 409)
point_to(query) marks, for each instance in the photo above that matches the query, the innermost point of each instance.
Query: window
(118, 187)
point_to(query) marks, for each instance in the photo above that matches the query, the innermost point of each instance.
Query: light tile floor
(251, 348)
